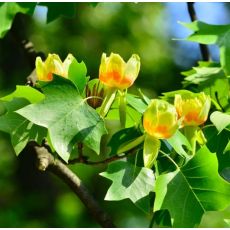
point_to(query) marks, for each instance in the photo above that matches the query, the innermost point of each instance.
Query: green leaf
(21, 130)
(211, 80)
(151, 148)
(178, 141)
(137, 103)
(129, 181)
(161, 218)
(220, 120)
(27, 92)
(130, 144)
(169, 96)
(192, 190)
(77, 74)
(8, 10)
(227, 221)
(202, 74)
(20, 98)
(66, 116)
(212, 34)
(219, 143)
(123, 136)
(57, 9)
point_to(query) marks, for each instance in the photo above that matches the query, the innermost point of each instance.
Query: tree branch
(203, 48)
(84, 160)
(46, 161)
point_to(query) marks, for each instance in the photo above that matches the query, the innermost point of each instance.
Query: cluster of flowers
(161, 119)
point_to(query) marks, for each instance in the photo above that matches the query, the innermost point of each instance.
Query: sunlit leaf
(192, 190)
(180, 144)
(212, 34)
(67, 117)
(77, 74)
(220, 120)
(150, 151)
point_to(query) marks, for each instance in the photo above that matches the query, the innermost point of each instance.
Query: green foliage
(220, 120)
(127, 181)
(151, 150)
(212, 34)
(77, 74)
(20, 129)
(67, 117)
(210, 78)
(180, 144)
(8, 10)
(122, 137)
(137, 103)
(185, 187)
(218, 142)
(191, 190)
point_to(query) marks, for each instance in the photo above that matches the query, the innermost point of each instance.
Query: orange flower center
(114, 78)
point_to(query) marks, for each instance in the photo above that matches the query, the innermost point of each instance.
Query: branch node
(43, 158)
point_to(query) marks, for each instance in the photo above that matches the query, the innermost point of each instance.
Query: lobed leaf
(67, 117)
(212, 34)
(129, 181)
(192, 190)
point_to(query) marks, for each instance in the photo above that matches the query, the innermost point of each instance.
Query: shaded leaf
(127, 180)
(8, 10)
(161, 218)
(219, 143)
(20, 129)
(121, 137)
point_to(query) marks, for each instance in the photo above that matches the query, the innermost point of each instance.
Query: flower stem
(108, 101)
(190, 133)
(122, 108)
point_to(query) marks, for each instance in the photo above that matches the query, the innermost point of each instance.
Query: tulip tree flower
(116, 74)
(193, 109)
(160, 119)
(160, 122)
(52, 65)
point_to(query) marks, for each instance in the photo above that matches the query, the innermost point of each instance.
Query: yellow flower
(52, 65)
(193, 108)
(115, 73)
(160, 119)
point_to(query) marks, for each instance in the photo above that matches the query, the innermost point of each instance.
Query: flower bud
(193, 108)
(160, 119)
(115, 73)
(52, 65)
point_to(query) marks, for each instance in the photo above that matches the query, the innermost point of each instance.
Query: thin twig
(84, 160)
(46, 161)
(203, 48)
